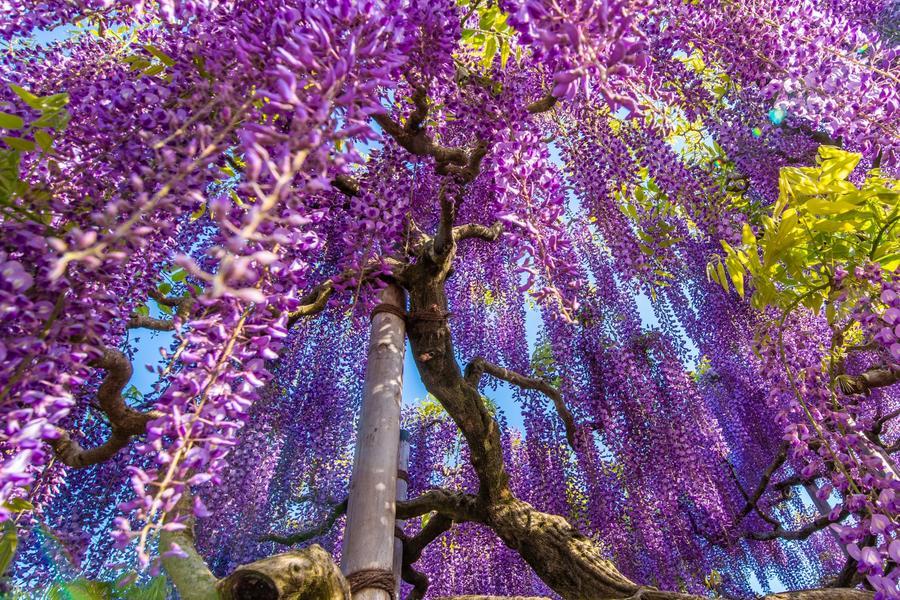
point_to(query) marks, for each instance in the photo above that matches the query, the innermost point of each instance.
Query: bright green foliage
(9, 541)
(492, 35)
(19, 200)
(821, 223)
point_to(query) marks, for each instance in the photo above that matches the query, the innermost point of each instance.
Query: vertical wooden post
(371, 508)
(402, 494)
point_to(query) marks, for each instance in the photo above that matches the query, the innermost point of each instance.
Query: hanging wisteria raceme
(587, 47)
(650, 254)
(823, 62)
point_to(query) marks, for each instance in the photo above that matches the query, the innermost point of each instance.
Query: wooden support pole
(371, 508)
(402, 494)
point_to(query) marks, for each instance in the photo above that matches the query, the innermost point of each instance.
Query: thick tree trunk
(562, 557)
(566, 560)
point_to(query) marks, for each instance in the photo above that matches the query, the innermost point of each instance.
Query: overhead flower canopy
(248, 175)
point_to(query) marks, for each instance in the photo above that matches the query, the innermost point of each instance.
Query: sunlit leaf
(8, 121)
(9, 541)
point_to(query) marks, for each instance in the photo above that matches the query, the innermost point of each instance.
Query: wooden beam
(402, 495)
(371, 509)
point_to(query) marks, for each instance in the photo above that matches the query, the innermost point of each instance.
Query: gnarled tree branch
(412, 551)
(458, 506)
(542, 105)
(871, 379)
(182, 304)
(461, 163)
(479, 366)
(309, 573)
(346, 184)
(124, 420)
(311, 532)
(478, 231)
(779, 533)
(313, 302)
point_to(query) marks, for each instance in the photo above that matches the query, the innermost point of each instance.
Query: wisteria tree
(668, 226)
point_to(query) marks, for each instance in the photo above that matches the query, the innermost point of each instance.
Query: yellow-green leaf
(8, 121)
(723, 278)
(9, 541)
(18, 504)
(26, 96)
(504, 53)
(747, 237)
(836, 164)
(736, 273)
(43, 140)
(162, 56)
(490, 49)
(19, 144)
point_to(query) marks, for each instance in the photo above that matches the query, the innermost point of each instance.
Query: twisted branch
(412, 551)
(479, 366)
(798, 534)
(478, 231)
(124, 420)
(461, 163)
(871, 379)
(458, 506)
(309, 533)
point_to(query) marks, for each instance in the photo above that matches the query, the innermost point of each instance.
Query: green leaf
(825, 206)
(737, 274)
(55, 102)
(747, 236)
(164, 58)
(504, 53)
(487, 19)
(43, 140)
(18, 505)
(154, 70)
(8, 121)
(54, 119)
(139, 65)
(490, 49)
(9, 541)
(199, 212)
(164, 288)
(26, 96)
(836, 164)
(19, 143)
(178, 275)
(722, 278)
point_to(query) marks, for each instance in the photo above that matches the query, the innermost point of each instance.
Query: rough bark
(124, 421)
(566, 560)
(865, 382)
(478, 366)
(308, 574)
